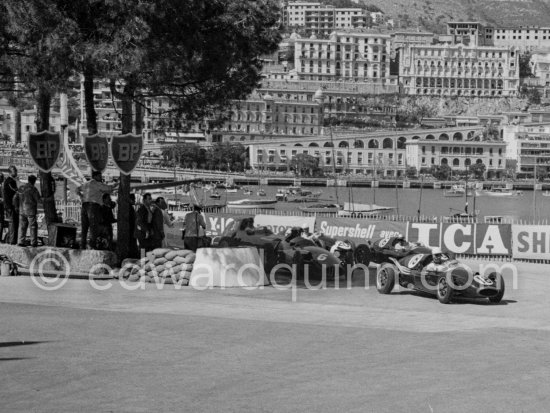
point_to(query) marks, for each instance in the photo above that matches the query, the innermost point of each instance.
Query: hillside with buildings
(432, 14)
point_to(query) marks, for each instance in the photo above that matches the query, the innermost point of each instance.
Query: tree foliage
(305, 164)
(478, 170)
(221, 156)
(524, 66)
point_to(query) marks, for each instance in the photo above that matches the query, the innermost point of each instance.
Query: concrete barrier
(228, 267)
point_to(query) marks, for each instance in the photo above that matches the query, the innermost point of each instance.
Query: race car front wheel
(444, 290)
(385, 278)
(499, 281)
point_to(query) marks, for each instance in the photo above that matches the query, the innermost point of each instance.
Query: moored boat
(327, 208)
(364, 210)
(253, 203)
(499, 192)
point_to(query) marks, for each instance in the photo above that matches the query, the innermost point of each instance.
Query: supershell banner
(359, 231)
(482, 239)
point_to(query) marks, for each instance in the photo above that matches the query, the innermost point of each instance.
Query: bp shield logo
(126, 151)
(45, 148)
(96, 149)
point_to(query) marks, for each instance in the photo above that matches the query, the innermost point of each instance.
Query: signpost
(45, 148)
(126, 151)
(96, 149)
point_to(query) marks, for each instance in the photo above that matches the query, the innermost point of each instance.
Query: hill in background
(433, 14)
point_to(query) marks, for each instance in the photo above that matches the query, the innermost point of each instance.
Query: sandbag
(160, 252)
(134, 277)
(160, 268)
(160, 261)
(188, 259)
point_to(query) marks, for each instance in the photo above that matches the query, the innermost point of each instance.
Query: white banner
(280, 224)
(531, 241)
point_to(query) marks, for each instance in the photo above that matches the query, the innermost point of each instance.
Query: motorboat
(546, 193)
(253, 203)
(364, 210)
(305, 196)
(457, 191)
(499, 192)
(321, 208)
(281, 195)
(261, 192)
(247, 191)
(215, 195)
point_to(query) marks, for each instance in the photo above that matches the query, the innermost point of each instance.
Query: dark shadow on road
(14, 358)
(20, 343)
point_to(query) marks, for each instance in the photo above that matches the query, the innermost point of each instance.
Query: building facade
(523, 38)
(459, 70)
(28, 123)
(470, 33)
(377, 153)
(346, 56)
(529, 146)
(458, 155)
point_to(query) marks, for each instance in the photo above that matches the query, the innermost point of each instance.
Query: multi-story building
(347, 56)
(10, 121)
(522, 38)
(540, 67)
(266, 116)
(459, 70)
(470, 33)
(295, 12)
(108, 109)
(459, 155)
(529, 146)
(28, 123)
(401, 39)
(378, 153)
(323, 21)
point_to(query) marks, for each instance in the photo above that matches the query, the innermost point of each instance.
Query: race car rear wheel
(298, 261)
(362, 255)
(385, 278)
(499, 281)
(444, 290)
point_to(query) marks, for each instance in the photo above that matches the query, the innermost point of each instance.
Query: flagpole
(64, 121)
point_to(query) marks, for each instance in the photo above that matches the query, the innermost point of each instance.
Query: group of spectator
(19, 208)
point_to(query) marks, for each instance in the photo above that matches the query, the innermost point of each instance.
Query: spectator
(134, 250)
(149, 224)
(166, 218)
(2, 207)
(105, 235)
(91, 194)
(10, 189)
(29, 197)
(193, 223)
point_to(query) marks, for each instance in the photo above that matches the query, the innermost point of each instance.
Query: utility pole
(64, 120)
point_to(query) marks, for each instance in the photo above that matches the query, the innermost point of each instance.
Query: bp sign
(45, 148)
(126, 151)
(96, 148)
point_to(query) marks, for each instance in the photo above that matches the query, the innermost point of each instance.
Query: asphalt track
(332, 350)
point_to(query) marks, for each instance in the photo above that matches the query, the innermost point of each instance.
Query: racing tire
(444, 290)
(498, 280)
(385, 278)
(362, 255)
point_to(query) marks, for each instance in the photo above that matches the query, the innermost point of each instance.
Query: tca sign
(45, 148)
(96, 149)
(126, 151)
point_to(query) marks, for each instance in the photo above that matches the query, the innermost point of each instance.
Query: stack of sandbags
(161, 265)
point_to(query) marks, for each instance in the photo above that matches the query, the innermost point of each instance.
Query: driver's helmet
(437, 255)
(305, 229)
(400, 242)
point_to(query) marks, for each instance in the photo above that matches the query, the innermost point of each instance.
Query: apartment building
(523, 38)
(459, 155)
(347, 56)
(28, 123)
(470, 33)
(459, 70)
(295, 12)
(323, 21)
(529, 145)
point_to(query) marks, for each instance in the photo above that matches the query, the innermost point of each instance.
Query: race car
(383, 249)
(288, 249)
(346, 250)
(447, 279)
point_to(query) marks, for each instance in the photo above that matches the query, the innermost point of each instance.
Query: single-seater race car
(434, 272)
(279, 249)
(346, 250)
(381, 250)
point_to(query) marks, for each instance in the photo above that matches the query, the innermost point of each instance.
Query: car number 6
(322, 257)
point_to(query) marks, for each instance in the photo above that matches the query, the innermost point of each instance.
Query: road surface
(232, 350)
